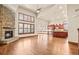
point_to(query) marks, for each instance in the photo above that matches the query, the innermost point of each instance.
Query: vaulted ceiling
(50, 11)
(55, 12)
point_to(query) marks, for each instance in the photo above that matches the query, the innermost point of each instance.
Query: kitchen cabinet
(60, 34)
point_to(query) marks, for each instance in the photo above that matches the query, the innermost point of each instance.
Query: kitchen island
(60, 34)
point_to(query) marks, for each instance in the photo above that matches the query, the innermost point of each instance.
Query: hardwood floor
(39, 45)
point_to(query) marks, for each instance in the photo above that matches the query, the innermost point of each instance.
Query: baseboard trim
(28, 36)
(74, 43)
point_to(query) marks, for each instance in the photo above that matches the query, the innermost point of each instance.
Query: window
(20, 28)
(25, 27)
(28, 28)
(32, 28)
(25, 17)
(20, 16)
(32, 19)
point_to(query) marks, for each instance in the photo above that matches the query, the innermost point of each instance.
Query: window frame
(23, 21)
(26, 28)
(27, 18)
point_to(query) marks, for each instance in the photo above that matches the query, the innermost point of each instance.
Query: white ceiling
(34, 7)
(58, 12)
(71, 10)
(50, 12)
(53, 13)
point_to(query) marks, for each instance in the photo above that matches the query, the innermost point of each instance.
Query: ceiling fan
(38, 10)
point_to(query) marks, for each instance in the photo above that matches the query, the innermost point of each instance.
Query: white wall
(57, 21)
(41, 25)
(73, 18)
(72, 29)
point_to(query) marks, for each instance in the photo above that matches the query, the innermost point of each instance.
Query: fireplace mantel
(8, 28)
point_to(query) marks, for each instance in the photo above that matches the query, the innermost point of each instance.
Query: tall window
(20, 27)
(26, 24)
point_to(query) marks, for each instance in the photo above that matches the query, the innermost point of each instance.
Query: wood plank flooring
(39, 45)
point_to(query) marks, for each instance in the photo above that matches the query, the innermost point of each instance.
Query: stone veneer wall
(7, 21)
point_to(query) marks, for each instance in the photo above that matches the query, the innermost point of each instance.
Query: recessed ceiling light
(38, 10)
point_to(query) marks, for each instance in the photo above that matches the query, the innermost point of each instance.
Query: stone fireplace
(7, 27)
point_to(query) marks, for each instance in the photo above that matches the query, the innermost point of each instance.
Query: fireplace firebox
(8, 34)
